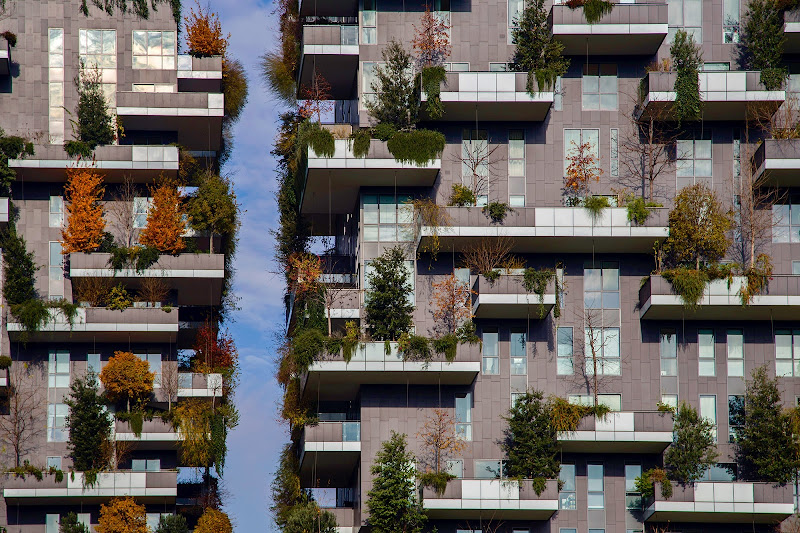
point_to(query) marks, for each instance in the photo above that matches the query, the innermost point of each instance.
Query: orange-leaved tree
(85, 225)
(304, 271)
(127, 377)
(122, 515)
(451, 302)
(582, 169)
(204, 33)
(439, 440)
(316, 99)
(214, 351)
(165, 219)
(214, 521)
(431, 39)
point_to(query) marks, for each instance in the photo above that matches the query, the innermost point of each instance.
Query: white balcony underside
(711, 512)
(726, 307)
(615, 441)
(332, 447)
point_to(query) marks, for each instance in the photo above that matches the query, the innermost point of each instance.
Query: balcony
(333, 183)
(328, 8)
(199, 74)
(330, 451)
(791, 30)
(157, 434)
(777, 162)
(371, 365)
(332, 52)
(99, 324)
(500, 499)
(196, 117)
(145, 487)
(781, 301)
(542, 229)
(197, 278)
(626, 432)
(497, 96)
(725, 95)
(507, 298)
(197, 385)
(141, 163)
(5, 59)
(728, 502)
(630, 29)
(346, 518)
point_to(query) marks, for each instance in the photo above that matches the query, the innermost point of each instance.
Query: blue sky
(254, 445)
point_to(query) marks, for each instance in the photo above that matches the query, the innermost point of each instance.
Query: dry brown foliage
(25, 418)
(439, 440)
(451, 302)
(431, 40)
(487, 254)
(153, 290)
(85, 224)
(316, 99)
(92, 290)
(582, 170)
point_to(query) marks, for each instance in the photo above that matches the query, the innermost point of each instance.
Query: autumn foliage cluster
(127, 377)
(431, 40)
(165, 220)
(122, 515)
(214, 351)
(451, 302)
(582, 169)
(204, 33)
(214, 521)
(304, 271)
(83, 193)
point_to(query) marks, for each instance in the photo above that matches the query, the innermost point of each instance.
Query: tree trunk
(211, 242)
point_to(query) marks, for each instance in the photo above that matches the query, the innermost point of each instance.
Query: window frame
(706, 355)
(163, 64)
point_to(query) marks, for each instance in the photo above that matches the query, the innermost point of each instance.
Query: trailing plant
(645, 484)
(431, 79)
(686, 59)
(430, 215)
(496, 211)
(756, 279)
(26, 469)
(446, 345)
(414, 347)
(419, 147)
(396, 100)
(139, 8)
(85, 224)
(119, 299)
(461, 196)
(491, 275)
(383, 131)
(690, 284)
(762, 42)
(78, 148)
(359, 142)
(537, 52)
(306, 347)
(350, 340)
(467, 333)
(593, 10)
(596, 204)
(234, 89)
(565, 416)
(536, 281)
(135, 419)
(435, 480)
(387, 308)
(317, 138)
(693, 450)
(639, 210)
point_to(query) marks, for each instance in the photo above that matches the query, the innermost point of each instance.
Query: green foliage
(278, 77)
(646, 483)
(639, 210)
(665, 408)
(19, 269)
(89, 425)
(414, 347)
(387, 309)
(392, 502)
(496, 211)
(213, 207)
(308, 517)
(172, 524)
(756, 279)
(461, 196)
(688, 283)
(417, 146)
(118, 298)
(286, 490)
(32, 314)
(565, 416)
(26, 469)
(11, 147)
(537, 52)
(491, 275)
(686, 59)
(234, 88)
(5, 362)
(307, 345)
(219, 441)
(78, 148)
(95, 123)
(349, 341)
(530, 440)
(135, 418)
(360, 141)
(436, 480)
(317, 138)
(467, 333)
(396, 101)
(431, 79)
(596, 204)
(69, 524)
(765, 449)
(762, 41)
(145, 257)
(698, 227)
(594, 10)
(446, 345)
(536, 281)
(384, 131)
(692, 451)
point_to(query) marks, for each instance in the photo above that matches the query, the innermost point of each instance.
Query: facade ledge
(197, 385)
(620, 432)
(505, 499)
(332, 51)
(506, 297)
(776, 162)
(145, 487)
(791, 31)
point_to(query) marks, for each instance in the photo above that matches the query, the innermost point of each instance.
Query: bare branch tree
(439, 440)
(591, 369)
(487, 254)
(25, 421)
(120, 209)
(169, 382)
(480, 162)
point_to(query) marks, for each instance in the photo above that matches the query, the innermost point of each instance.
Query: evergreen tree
(686, 61)
(396, 101)
(765, 449)
(172, 524)
(530, 443)
(69, 524)
(392, 502)
(693, 450)
(388, 311)
(537, 52)
(213, 207)
(309, 517)
(95, 124)
(89, 425)
(19, 269)
(762, 42)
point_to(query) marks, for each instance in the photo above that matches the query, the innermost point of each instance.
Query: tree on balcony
(204, 36)
(127, 378)
(309, 517)
(213, 521)
(583, 169)
(452, 303)
(762, 42)
(165, 219)
(395, 100)
(89, 427)
(95, 125)
(439, 443)
(392, 502)
(686, 58)
(693, 450)
(388, 310)
(537, 52)
(122, 515)
(70, 524)
(213, 208)
(11, 147)
(85, 224)
(24, 420)
(316, 98)
(172, 524)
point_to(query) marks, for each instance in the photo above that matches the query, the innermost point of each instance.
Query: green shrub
(461, 196)
(446, 345)
(646, 483)
(396, 98)
(78, 148)
(417, 146)
(387, 309)
(27, 469)
(383, 131)
(32, 314)
(5, 362)
(118, 298)
(11, 147)
(360, 143)
(467, 333)
(496, 211)
(146, 256)
(638, 211)
(536, 281)
(594, 10)
(596, 204)
(306, 348)
(436, 480)
(491, 275)
(689, 284)
(693, 450)
(762, 39)
(566, 416)
(350, 339)
(172, 524)
(414, 347)
(431, 80)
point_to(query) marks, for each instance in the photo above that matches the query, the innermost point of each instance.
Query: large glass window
(705, 352)
(574, 138)
(154, 49)
(614, 160)
(368, 78)
(787, 353)
(601, 325)
(491, 352)
(633, 498)
(693, 164)
(564, 359)
(475, 155)
(141, 206)
(566, 497)
(735, 416)
(519, 353)
(668, 347)
(599, 87)
(708, 410)
(55, 78)
(56, 422)
(516, 167)
(515, 8)
(594, 476)
(98, 49)
(388, 218)
(94, 363)
(58, 369)
(464, 415)
(670, 400)
(56, 271)
(735, 353)
(786, 221)
(488, 469)
(730, 21)
(369, 22)
(51, 523)
(154, 360)
(688, 16)
(56, 211)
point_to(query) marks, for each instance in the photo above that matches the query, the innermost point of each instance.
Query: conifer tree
(69, 524)
(85, 224)
(165, 223)
(388, 311)
(693, 450)
(537, 52)
(213, 208)
(89, 425)
(396, 101)
(95, 123)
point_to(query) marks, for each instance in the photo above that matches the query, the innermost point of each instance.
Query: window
(786, 221)
(54, 461)
(51, 523)
(56, 422)
(456, 67)
(491, 354)
(708, 410)
(787, 352)
(86, 520)
(735, 416)
(56, 211)
(601, 286)
(573, 139)
(455, 467)
(795, 268)
(601, 331)
(633, 498)
(464, 415)
(498, 67)
(599, 87)
(612, 401)
(670, 400)
(566, 497)
(351, 431)
(154, 360)
(153, 88)
(488, 469)
(141, 205)
(56, 271)
(94, 363)
(98, 49)
(558, 95)
(688, 16)
(515, 8)
(567, 530)
(735, 353)
(146, 465)
(519, 354)
(55, 75)
(475, 163)
(594, 476)
(564, 352)
(705, 352)
(369, 22)
(515, 397)
(693, 164)
(724, 472)
(154, 49)
(388, 218)
(58, 369)
(614, 161)
(597, 531)
(368, 78)
(516, 167)
(668, 347)
(730, 21)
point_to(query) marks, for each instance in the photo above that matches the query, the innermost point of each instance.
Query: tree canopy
(122, 515)
(387, 309)
(165, 219)
(127, 378)
(213, 521)
(89, 426)
(693, 449)
(213, 207)
(530, 443)
(85, 224)
(396, 101)
(537, 52)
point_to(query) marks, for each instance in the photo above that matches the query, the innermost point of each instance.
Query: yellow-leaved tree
(204, 33)
(122, 515)
(214, 521)
(165, 219)
(85, 225)
(194, 424)
(127, 377)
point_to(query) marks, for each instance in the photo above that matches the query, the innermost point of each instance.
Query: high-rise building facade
(167, 110)
(606, 328)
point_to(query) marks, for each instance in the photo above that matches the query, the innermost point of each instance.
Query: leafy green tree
(537, 52)
(213, 207)
(698, 227)
(308, 517)
(396, 100)
(95, 123)
(69, 524)
(286, 489)
(762, 42)
(765, 449)
(11, 147)
(19, 269)
(693, 450)
(686, 60)
(89, 425)
(172, 524)
(530, 442)
(392, 502)
(388, 311)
